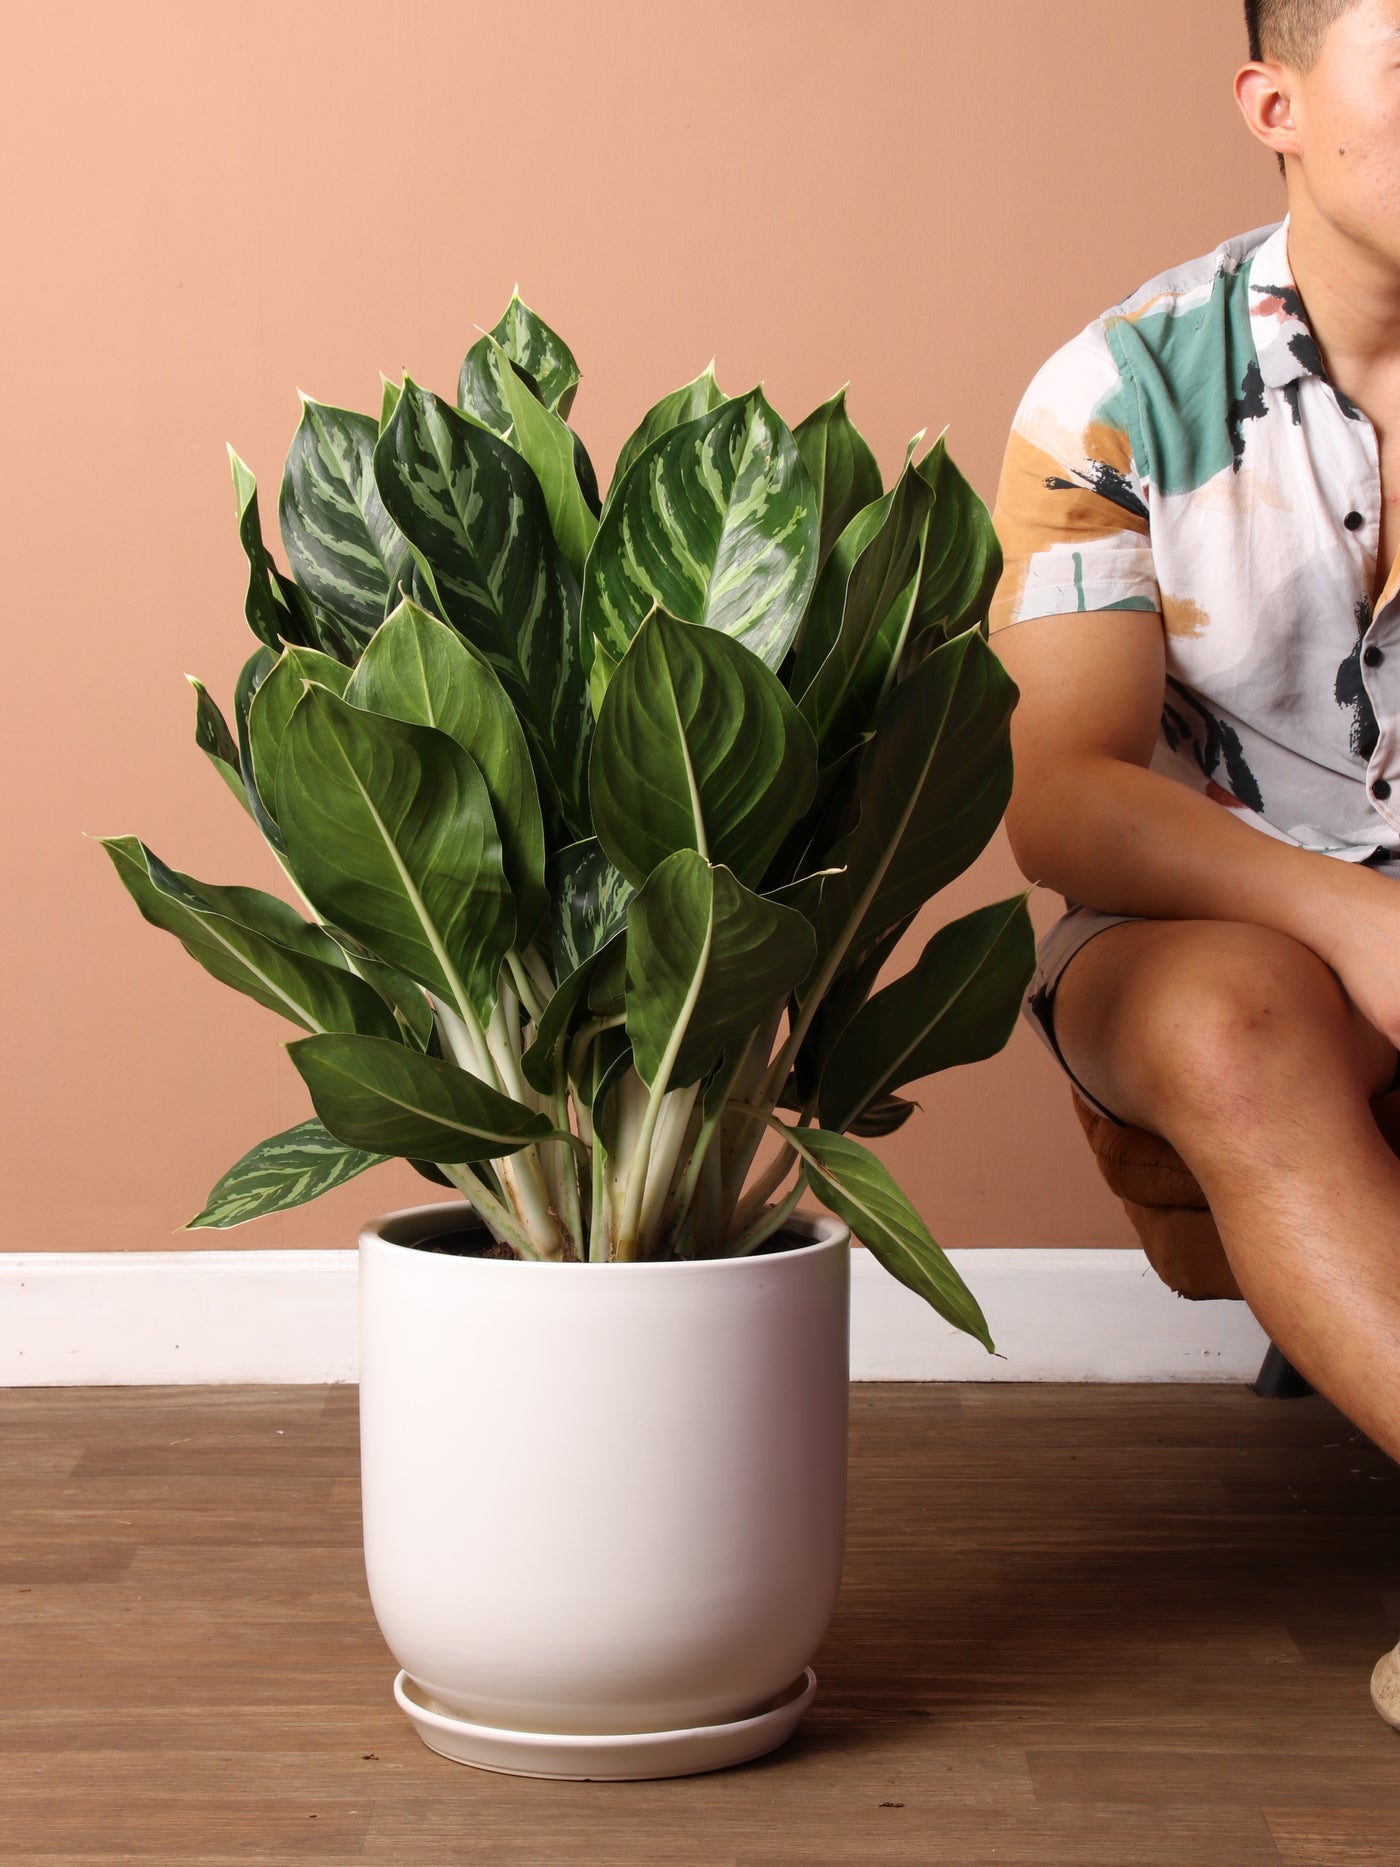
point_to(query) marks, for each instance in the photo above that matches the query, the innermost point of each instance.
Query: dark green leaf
(858, 1188)
(216, 741)
(389, 830)
(417, 669)
(697, 747)
(547, 446)
(399, 992)
(958, 1004)
(264, 605)
(880, 1118)
(254, 672)
(253, 942)
(933, 783)
(385, 1097)
(841, 466)
(963, 560)
(706, 959)
(273, 705)
(565, 1010)
(861, 587)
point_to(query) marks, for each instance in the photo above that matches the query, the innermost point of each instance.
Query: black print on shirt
(1216, 745)
(1351, 692)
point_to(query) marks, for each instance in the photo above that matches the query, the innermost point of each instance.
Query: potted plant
(604, 817)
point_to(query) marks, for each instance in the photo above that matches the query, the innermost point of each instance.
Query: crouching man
(1200, 510)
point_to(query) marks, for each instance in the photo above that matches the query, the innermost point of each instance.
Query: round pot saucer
(609, 1758)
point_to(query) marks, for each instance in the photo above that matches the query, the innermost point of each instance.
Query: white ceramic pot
(603, 1504)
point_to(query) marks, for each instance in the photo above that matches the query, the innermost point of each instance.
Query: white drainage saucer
(609, 1758)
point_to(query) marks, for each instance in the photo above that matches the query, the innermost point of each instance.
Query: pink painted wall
(212, 205)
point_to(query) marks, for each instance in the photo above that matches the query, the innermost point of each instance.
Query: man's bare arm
(1089, 819)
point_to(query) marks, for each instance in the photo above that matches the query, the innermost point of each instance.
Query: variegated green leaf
(529, 342)
(859, 1188)
(707, 960)
(958, 1004)
(589, 897)
(285, 1171)
(475, 517)
(216, 741)
(392, 1100)
(389, 393)
(253, 942)
(842, 467)
(417, 669)
(684, 404)
(343, 546)
(715, 521)
(547, 446)
(698, 747)
(278, 610)
(389, 830)
(273, 705)
(601, 669)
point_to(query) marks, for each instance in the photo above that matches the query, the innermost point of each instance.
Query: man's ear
(1264, 95)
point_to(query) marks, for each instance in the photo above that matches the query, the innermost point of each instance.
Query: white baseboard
(109, 1319)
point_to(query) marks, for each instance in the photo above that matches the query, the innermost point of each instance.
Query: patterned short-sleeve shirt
(1186, 454)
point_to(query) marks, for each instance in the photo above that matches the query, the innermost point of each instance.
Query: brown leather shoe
(1385, 1687)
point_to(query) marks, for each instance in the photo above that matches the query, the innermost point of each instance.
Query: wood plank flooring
(1081, 1627)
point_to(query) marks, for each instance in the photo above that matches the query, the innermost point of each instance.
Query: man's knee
(1196, 1022)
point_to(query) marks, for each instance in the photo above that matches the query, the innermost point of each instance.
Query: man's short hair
(1291, 31)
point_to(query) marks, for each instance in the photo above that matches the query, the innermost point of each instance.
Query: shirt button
(1373, 657)
(1380, 790)
(1353, 521)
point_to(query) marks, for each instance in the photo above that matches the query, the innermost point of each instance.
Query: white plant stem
(563, 1160)
(704, 1158)
(763, 1188)
(501, 1222)
(747, 1087)
(765, 1225)
(526, 986)
(637, 1110)
(465, 1044)
(667, 1150)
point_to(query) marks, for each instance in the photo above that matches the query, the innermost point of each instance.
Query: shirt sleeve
(1072, 510)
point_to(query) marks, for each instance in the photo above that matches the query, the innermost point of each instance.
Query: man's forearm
(1130, 841)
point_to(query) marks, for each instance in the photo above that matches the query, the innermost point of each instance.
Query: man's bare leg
(1240, 1047)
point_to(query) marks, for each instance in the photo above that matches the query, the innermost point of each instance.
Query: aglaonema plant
(605, 816)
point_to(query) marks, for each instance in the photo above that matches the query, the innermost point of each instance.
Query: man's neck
(1352, 298)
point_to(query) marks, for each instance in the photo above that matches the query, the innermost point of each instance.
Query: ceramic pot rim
(408, 1226)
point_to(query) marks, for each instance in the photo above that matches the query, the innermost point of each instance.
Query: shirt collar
(1284, 344)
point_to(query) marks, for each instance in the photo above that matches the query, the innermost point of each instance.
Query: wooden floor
(1081, 1627)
